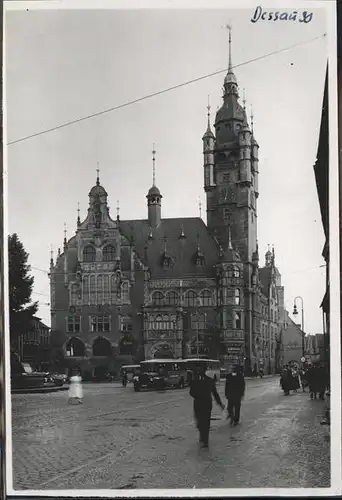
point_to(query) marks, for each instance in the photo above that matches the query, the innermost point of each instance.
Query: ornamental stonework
(172, 283)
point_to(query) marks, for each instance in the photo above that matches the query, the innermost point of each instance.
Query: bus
(212, 368)
(160, 373)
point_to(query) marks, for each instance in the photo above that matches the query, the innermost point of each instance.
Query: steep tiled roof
(151, 243)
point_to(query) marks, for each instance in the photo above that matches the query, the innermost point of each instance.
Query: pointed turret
(230, 254)
(154, 197)
(268, 257)
(98, 207)
(208, 153)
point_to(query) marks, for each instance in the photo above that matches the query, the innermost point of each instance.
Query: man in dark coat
(234, 391)
(202, 388)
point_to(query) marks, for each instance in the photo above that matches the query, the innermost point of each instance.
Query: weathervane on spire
(153, 166)
(65, 232)
(98, 175)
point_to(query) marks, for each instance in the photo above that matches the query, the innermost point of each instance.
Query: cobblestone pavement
(122, 439)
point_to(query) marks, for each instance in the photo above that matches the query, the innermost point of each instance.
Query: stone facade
(125, 290)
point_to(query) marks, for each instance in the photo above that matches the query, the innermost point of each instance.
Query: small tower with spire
(154, 197)
(208, 153)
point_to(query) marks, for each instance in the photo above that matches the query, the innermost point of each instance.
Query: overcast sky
(62, 65)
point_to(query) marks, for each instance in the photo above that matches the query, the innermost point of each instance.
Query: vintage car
(23, 376)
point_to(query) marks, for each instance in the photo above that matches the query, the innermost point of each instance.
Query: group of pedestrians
(202, 388)
(290, 380)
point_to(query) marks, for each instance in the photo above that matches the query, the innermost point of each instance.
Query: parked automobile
(23, 376)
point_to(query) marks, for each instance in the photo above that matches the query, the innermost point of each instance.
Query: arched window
(92, 290)
(108, 253)
(171, 299)
(85, 285)
(157, 299)
(99, 289)
(236, 272)
(207, 298)
(75, 347)
(230, 272)
(89, 254)
(237, 296)
(125, 292)
(101, 347)
(190, 298)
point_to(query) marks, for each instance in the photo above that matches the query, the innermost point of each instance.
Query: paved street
(122, 439)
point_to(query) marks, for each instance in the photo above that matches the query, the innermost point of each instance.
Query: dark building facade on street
(321, 169)
(34, 346)
(126, 290)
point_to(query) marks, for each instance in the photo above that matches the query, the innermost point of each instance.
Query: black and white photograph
(171, 233)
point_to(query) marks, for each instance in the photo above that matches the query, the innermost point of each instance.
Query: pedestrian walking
(286, 381)
(202, 388)
(75, 389)
(234, 392)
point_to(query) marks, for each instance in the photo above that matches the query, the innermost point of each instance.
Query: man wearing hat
(234, 391)
(202, 388)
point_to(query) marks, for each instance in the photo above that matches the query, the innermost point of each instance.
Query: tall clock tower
(231, 186)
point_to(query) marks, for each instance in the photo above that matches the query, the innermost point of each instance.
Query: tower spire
(65, 233)
(153, 166)
(200, 207)
(252, 120)
(230, 66)
(51, 256)
(208, 108)
(117, 210)
(230, 82)
(98, 175)
(78, 214)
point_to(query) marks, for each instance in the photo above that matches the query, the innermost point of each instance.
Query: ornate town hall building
(122, 291)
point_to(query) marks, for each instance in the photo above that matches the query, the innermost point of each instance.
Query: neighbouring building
(34, 345)
(292, 347)
(321, 169)
(125, 290)
(315, 347)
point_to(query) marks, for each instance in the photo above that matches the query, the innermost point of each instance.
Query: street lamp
(295, 312)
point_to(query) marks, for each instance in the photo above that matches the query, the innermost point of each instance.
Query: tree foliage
(22, 309)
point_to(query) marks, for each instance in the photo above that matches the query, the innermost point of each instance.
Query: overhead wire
(140, 99)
